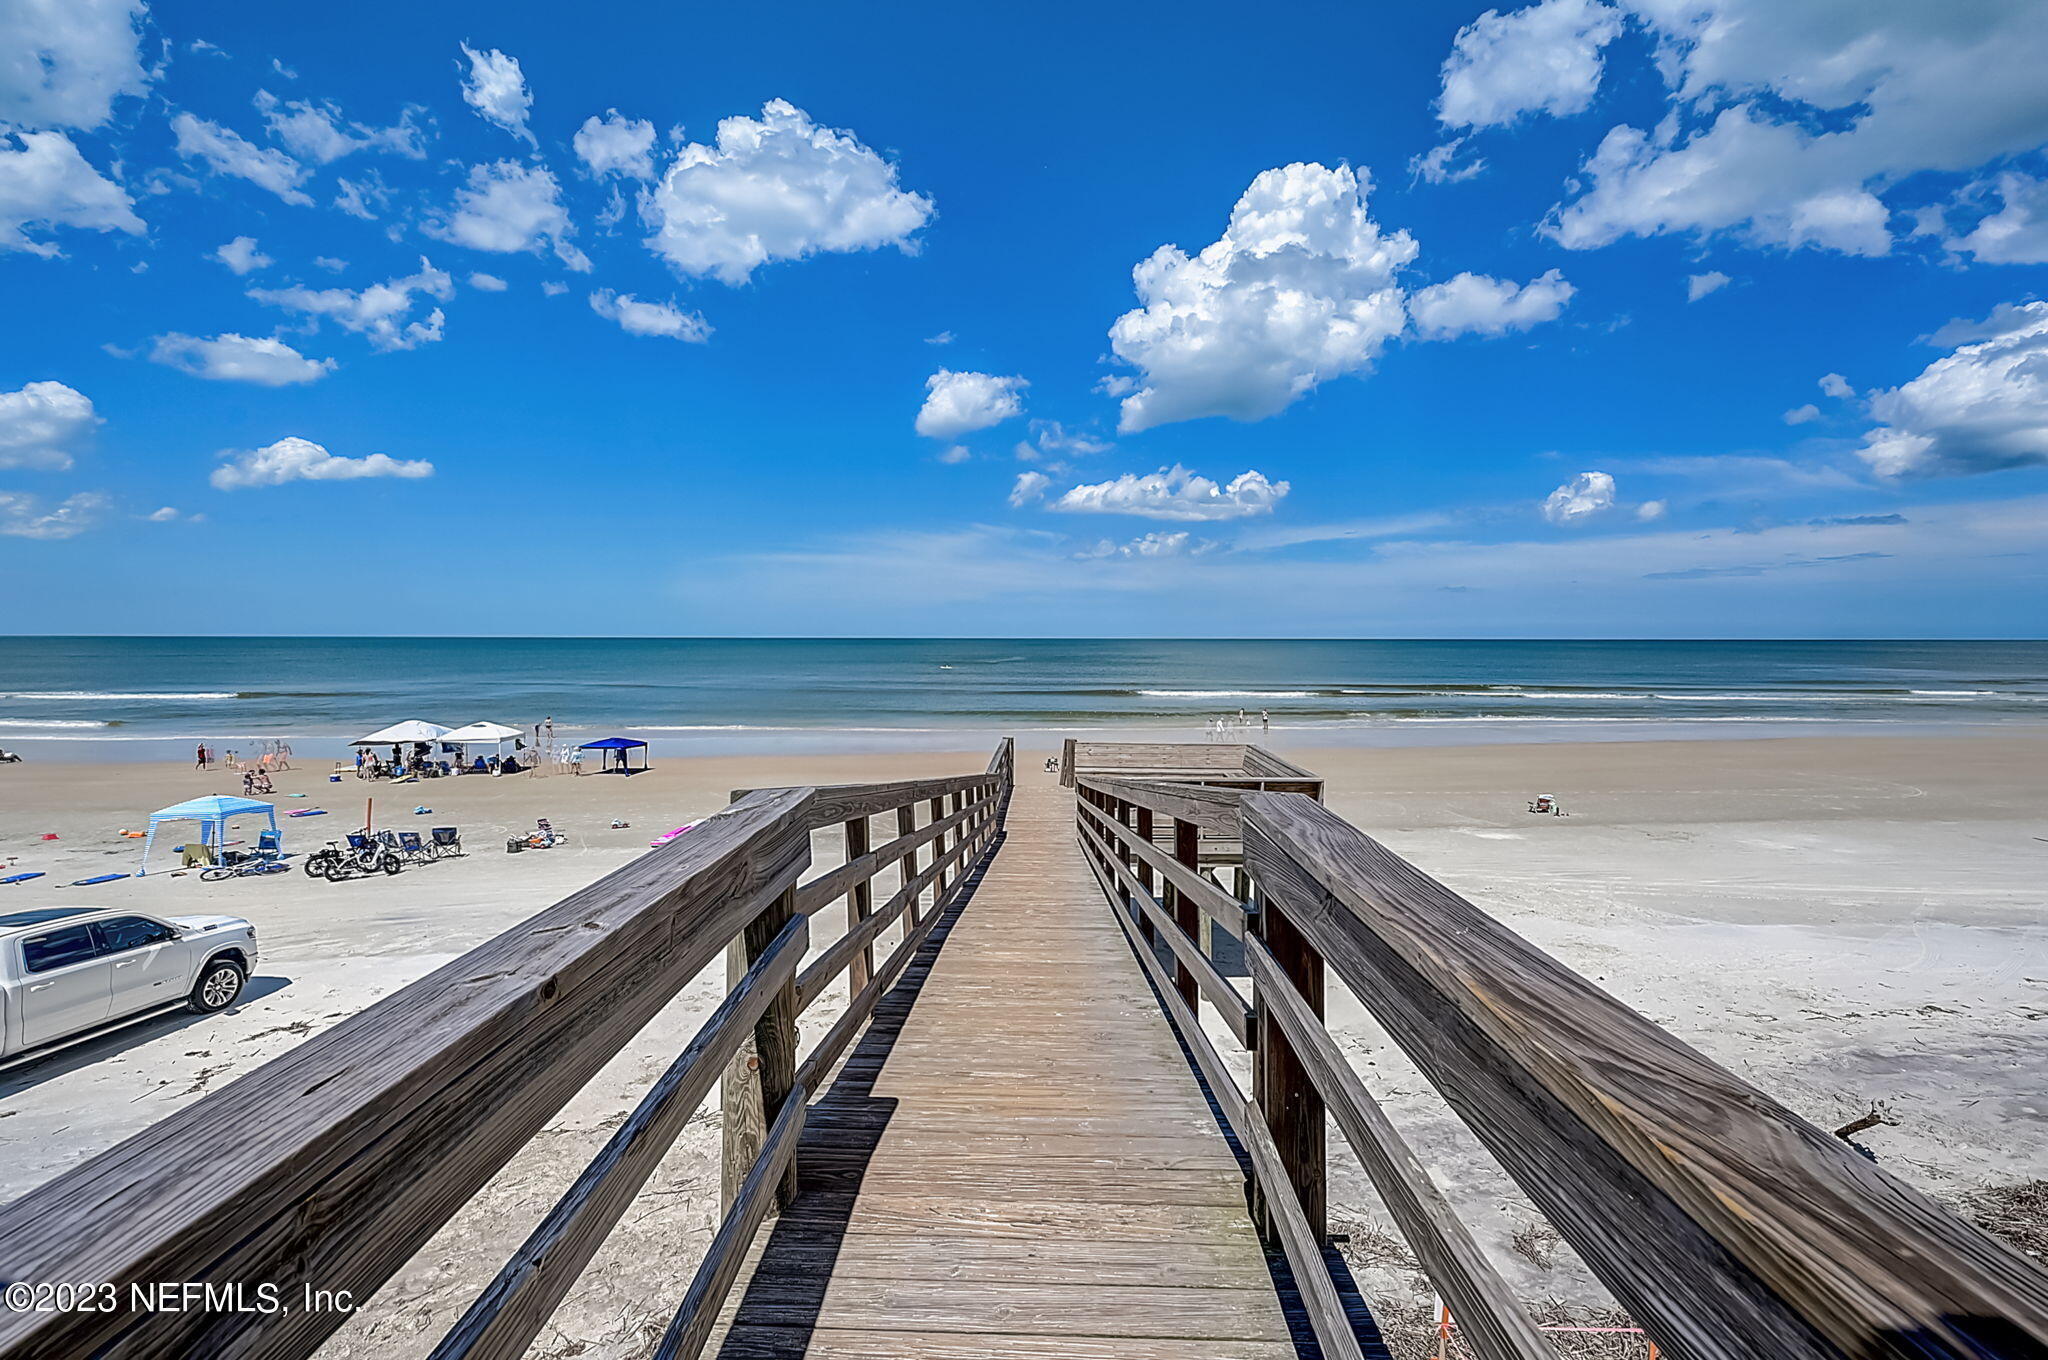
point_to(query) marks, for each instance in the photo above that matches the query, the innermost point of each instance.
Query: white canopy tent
(491, 734)
(404, 733)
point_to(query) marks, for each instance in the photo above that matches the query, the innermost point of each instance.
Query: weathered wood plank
(972, 1306)
(1212, 984)
(838, 1343)
(1727, 1225)
(829, 1048)
(1303, 1242)
(332, 1164)
(515, 1306)
(694, 1318)
(1202, 891)
(1215, 810)
(812, 982)
(837, 881)
(1490, 1318)
(1058, 1261)
(832, 803)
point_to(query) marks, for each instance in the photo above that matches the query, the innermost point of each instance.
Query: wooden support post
(906, 822)
(1145, 834)
(1127, 817)
(1186, 848)
(1287, 1096)
(938, 811)
(860, 904)
(760, 1076)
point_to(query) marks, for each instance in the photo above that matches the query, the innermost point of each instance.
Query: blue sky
(1647, 318)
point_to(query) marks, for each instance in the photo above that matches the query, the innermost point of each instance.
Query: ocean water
(149, 698)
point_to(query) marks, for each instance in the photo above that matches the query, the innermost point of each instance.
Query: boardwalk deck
(1016, 1161)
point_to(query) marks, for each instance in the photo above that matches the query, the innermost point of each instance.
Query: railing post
(1187, 839)
(1281, 1086)
(938, 811)
(860, 904)
(906, 822)
(1145, 834)
(759, 1077)
(1127, 816)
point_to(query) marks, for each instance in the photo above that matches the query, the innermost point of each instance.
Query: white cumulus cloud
(487, 283)
(1544, 58)
(265, 361)
(616, 145)
(649, 318)
(318, 132)
(507, 208)
(779, 187)
(1835, 385)
(2018, 232)
(1441, 165)
(292, 459)
(1300, 288)
(961, 403)
(1787, 124)
(1698, 286)
(23, 515)
(63, 63)
(496, 88)
(230, 153)
(45, 183)
(1158, 544)
(1175, 493)
(1051, 440)
(1586, 495)
(1029, 487)
(1474, 304)
(241, 255)
(383, 311)
(42, 424)
(1982, 408)
(1801, 415)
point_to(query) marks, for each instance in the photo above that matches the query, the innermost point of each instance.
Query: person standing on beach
(1265, 723)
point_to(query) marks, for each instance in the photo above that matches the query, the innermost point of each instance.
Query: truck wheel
(220, 982)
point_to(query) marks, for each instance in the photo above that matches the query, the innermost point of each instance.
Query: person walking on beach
(200, 754)
(1265, 723)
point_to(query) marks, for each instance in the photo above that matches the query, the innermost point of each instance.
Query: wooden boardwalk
(1016, 1161)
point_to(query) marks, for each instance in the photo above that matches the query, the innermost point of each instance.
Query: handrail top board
(834, 803)
(1215, 810)
(211, 1180)
(1727, 1214)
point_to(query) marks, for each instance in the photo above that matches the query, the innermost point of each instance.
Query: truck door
(149, 962)
(65, 987)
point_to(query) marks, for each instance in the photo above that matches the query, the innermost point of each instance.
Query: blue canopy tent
(618, 747)
(212, 814)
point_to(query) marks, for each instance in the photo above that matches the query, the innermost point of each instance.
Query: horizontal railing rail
(1724, 1223)
(323, 1172)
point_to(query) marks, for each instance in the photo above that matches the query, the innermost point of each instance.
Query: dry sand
(1842, 921)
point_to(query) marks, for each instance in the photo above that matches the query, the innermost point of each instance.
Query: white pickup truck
(66, 971)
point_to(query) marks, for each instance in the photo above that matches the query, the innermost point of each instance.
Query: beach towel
(88, 882)
(307, 812)
(21, 878)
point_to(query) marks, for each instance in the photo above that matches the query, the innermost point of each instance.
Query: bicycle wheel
(215, 875)
(390, 864)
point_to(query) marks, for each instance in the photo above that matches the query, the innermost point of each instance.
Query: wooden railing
(327, 1169)
(1724, 1223)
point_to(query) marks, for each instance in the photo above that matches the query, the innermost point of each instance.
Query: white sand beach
(1845, 922)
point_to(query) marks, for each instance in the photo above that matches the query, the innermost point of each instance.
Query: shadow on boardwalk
(776, 1316)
